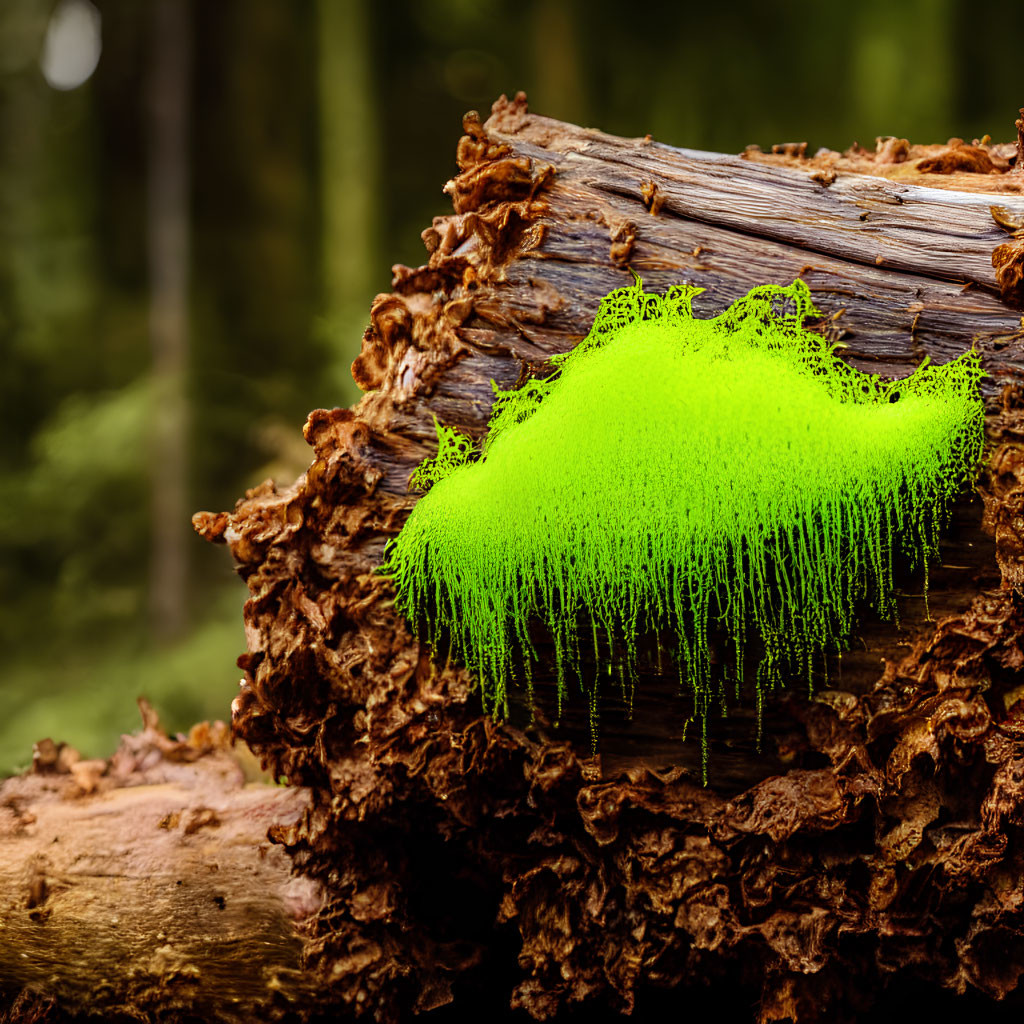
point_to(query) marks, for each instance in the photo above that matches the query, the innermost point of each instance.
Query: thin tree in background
(906, 51)
(168, 243)
(558, 80)
(348, 175)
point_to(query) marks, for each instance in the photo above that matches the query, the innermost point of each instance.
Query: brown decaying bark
(876, 838)
(1018, 166)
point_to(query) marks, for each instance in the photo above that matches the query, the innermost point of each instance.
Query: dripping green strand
(680, 474)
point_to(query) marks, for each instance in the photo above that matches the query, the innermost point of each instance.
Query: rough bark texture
(873, 844)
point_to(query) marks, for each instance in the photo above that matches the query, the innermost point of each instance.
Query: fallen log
(139, 886)
(465, 864)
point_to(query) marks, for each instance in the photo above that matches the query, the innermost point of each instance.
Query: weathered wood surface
(901, 271)
(146, 884)
(476, 866)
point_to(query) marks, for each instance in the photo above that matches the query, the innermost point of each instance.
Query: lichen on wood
(688, 475)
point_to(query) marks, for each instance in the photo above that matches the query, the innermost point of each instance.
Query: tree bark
(870, 848)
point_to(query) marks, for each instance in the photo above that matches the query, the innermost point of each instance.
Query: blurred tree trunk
(168, 246)
(903, 50)
(349, 174)
(557, 60)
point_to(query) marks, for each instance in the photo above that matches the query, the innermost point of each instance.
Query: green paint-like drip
(729, 474)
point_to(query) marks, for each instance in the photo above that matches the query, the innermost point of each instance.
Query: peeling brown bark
(1019, 165)
(875, 841)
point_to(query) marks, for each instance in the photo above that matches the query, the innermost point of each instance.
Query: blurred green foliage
(321, 134)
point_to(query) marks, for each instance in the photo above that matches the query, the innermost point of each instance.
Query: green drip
(681, 474)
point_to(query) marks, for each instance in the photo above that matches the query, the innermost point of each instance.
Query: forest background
(198, 202)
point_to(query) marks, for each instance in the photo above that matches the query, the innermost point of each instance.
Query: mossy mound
(684, 475)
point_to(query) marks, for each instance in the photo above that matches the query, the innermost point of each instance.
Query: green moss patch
(727, 475)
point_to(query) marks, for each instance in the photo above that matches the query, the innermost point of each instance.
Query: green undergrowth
(727, 476)
(85, 696)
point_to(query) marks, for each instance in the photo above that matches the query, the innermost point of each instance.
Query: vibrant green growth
(687, 475)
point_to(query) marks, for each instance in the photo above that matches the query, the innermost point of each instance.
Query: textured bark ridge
(452, 861)
(872, 842)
